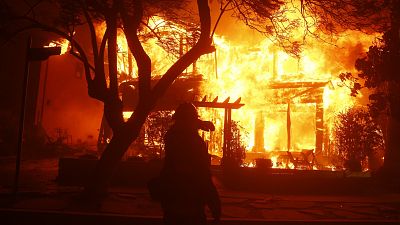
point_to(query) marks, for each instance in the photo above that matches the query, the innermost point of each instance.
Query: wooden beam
(304, 84)
(220, 105)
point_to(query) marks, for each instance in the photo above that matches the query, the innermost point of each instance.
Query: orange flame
(238, 69)
(63, 43)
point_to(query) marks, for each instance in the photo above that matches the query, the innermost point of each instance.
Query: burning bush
(357, 137)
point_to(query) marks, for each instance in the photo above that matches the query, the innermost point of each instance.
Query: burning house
(288, 103)
(282, 106)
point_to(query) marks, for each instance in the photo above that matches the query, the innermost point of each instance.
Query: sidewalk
(41, 201)
(125, 205)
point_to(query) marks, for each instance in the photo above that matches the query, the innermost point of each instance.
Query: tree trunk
(391, 166)
(124, 133)
(119, 144)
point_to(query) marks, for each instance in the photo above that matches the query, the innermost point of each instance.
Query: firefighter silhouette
(184, 187)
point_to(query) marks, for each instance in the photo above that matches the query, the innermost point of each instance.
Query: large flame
(237, 69)
(262, 75)
(247, 72)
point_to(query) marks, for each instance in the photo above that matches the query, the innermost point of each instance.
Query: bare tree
(125, 132)
(118, 14)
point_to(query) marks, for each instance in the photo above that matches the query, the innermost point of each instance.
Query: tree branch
(9, 36)
(131, 25)
(82, 55)
(223, 9)
(112, 55)
(93, 37)
(203, 46)
(100, 76)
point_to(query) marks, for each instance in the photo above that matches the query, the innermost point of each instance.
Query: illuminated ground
(40, 197)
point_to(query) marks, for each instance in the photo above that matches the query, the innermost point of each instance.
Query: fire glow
(276, 88)
(63, 43)
(237, 70)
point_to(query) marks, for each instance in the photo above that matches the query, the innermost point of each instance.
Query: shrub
(357, 137)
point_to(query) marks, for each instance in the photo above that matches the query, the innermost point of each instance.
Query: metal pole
(44, 94)
(22, 118)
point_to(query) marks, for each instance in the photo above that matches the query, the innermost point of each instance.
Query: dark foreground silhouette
(184, 187)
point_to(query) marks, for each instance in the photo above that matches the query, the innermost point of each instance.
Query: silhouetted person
(185, 185)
